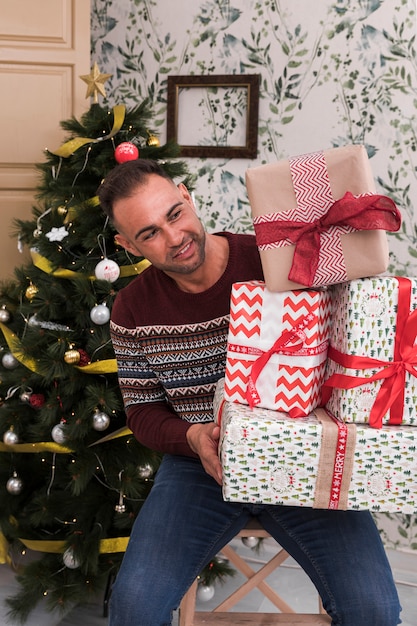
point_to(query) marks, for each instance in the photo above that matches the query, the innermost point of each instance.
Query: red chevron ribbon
(390, 396)
(368, 212)
(292, 340)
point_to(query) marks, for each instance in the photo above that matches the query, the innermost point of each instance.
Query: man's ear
(125, 243)
(186, 195)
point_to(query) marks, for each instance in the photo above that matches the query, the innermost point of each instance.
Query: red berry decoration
(126, 151)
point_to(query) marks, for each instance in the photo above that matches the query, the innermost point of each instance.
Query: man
(169, 330)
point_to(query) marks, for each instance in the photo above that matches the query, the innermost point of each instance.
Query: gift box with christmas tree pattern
(314, 461)
(371, 374)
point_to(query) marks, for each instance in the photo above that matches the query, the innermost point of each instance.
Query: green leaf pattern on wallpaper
(332, 73)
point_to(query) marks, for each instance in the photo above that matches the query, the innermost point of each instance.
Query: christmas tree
(72, 476)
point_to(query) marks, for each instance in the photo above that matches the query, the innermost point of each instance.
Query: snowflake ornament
(57, 234)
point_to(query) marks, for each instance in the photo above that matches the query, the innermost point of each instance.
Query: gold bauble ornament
(153, 141)
(31, 291)
(62, 210)
(72, 356)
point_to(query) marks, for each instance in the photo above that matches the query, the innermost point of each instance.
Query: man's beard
(191, 266)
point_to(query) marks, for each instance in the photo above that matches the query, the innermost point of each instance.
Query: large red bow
(369, 212)
(390, 396)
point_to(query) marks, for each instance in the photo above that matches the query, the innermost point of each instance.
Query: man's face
(158, 221)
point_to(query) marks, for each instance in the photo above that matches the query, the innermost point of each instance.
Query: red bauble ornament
(84, 358)
(37, 400)
(126, 151)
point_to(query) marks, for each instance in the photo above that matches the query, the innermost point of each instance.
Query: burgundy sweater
(170, 348)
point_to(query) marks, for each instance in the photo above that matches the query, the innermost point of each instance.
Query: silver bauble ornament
(145, 471)
(250, 542)
(100, 314)
(9, 361)
(70, 560)
(120, 508)
(58, 433)
(4, 315)
(10, 438)
(101, 420)
(107, 270)
(205, 592)
(25, 396)
(14, 485)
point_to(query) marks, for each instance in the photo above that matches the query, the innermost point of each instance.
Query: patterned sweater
(171, 348)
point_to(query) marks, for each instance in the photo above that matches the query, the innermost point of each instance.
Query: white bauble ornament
(10, 438)
(145, 471)
(14, 485)
(101, 420)
(58, 433)
(250, 542)
(100, 314)
(9, 361)
(107, 270)
(205, 592)
(70, 560)
(4, 315)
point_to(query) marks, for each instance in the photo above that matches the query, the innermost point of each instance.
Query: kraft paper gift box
(277, 344)
(372, 358)
(318, 220)
(314, 461)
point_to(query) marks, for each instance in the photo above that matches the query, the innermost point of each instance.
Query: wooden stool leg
(255, 579)
(187, 606)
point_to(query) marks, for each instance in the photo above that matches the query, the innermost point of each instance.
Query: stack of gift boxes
(318, 405)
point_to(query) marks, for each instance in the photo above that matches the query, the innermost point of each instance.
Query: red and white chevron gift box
(318, 220)
(277, 346)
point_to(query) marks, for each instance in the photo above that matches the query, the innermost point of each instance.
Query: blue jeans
(184, 523)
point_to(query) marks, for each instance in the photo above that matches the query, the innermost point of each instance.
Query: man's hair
(122, 181)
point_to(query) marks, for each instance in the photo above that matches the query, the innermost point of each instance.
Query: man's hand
(203, 439)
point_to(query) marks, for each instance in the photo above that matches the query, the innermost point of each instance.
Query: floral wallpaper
(332, 72)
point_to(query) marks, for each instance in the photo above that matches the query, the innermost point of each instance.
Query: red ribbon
(295, 337)
(339, 462)
(390, 396)
(363, 213)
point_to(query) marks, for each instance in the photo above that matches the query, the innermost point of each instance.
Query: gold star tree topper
(95, 82)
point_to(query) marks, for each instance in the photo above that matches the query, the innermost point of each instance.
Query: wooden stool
(188, 616)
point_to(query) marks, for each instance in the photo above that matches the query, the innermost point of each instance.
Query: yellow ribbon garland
(50, 446)
(108, 366)
(72, 211)
(42, 446)
(107, 546)
(15, 348)
(4, 550)
(118, 544)
(71, 146)
(43, 264)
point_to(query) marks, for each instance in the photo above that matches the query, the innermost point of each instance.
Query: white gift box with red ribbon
(371, 372)
(277, 346)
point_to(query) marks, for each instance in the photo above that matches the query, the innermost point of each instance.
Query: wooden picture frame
(215, 115)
